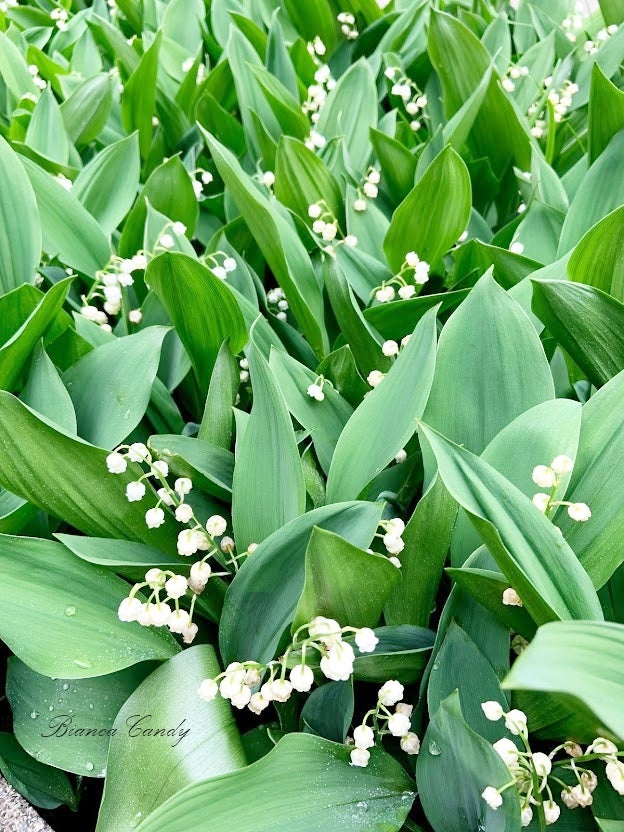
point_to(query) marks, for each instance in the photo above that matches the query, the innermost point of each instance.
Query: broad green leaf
(454, 767)
(595, 479)
(612, 11)
(587, 323)
(597, 259)
(138, 100)
(302, 179)
(86, 111)
(328, 710)
(208, 466)
(606, 112)
(40, 784)
(107, 186)
(16, 351)
(73, 607)
(433, 215)
(216, 425)
(46, 132)
(120, 553)
(20, 227)
(111, 386)
(268, 489)
(389, 413)
(261, 600)
(398, 318)
(529, 549)
(45, 392)
(592, 200)
(474, 396)
(580, 661)
(194, 740)
(333, 567)
(461, 61)
(266, 796)
(14, 69)
(286, 108)
(203, 309)
(68, 478)
(535, 437)
(315, 18)
(279, 244)
(350, 111)
(460, 666)
(325, 420)
(69, 231)
(88, 706)
(427, 537)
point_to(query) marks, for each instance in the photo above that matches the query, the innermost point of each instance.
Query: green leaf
(328, 710)
(68, 478)
(427, 537)
(279, 244)
(389, 412)
(203, 309)
(487, 335)
(266, 796)
(398, 318)
(14, 69)
(268, 489)
(58, 705)
(606, 112)
(612, 11)
(20, 227)
(579, 661)
(73, 606)
(216, 425)
(454, 767)
(402, 654)
(167, 739)
(111, 386)
(302, 179)
(597, 258)
(460, 666)
(595, 480)
(107, 186)
(350, 111)
(461, 61)
(535, 437)
(16, 351)
(119, 553)
(324, 420)
(45, 392)
(333, 566)
(261, 600)
(592, 201)
(433, 215)
(208, 466)
(69, 231)
(86, 111)
(138, 100)
(586, 322)
(46, 131)
(532, 554)
(41, 785)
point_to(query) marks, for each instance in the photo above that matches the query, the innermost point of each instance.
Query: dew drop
(362, 806)
(51, 708)
(34, 714)
(65, 686)
(70, 611)
(82, 663)
(91, 705)
(408, 795)
(136, 820)
(434, 748)
(89, 766)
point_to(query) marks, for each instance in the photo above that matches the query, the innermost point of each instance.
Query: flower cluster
(559, 100)
(368, 190)
(242, 684)
(205, 178)
(60, 15)
(317, 94)
(409, 93)
(550, 476)
(391, 536)
(166, 240)
(38, 82)
(347, 25)
(107, 287)
(277, 299)
(412, 266)
(315, 390)
(395, 723)
(592, 46)
(512, 75)
(534, 773)
(220, 264)
(327, 227)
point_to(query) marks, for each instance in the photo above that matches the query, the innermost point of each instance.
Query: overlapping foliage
(338, 267)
